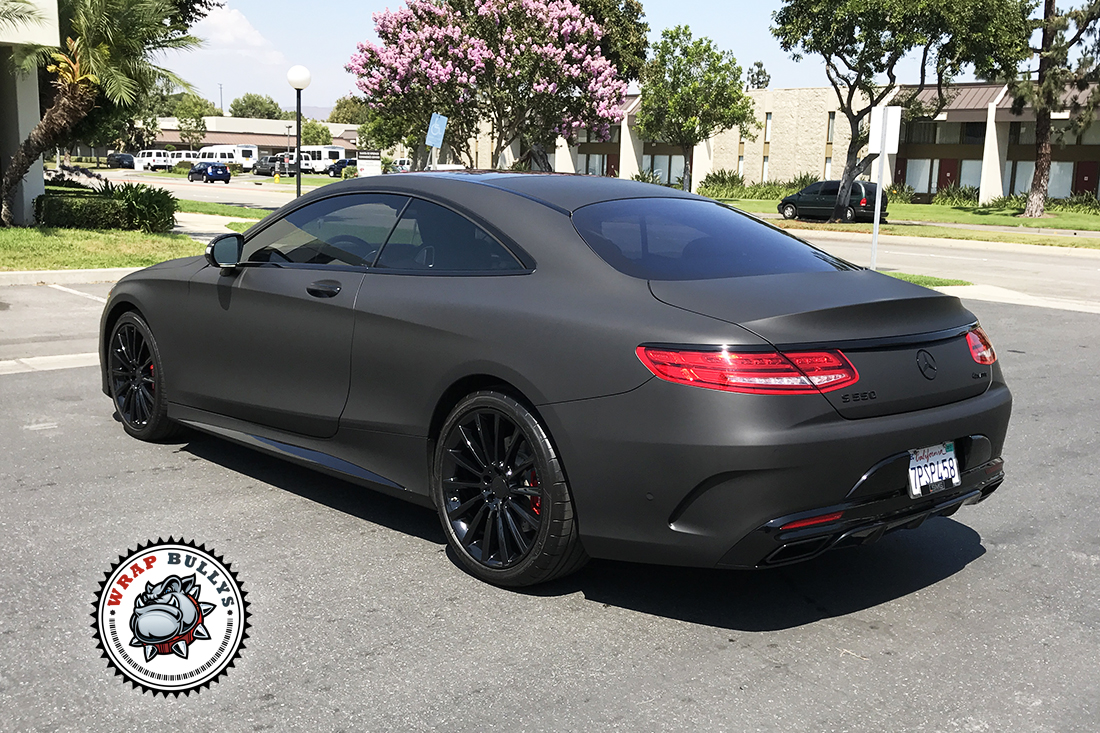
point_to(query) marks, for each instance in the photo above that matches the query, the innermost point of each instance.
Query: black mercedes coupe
(568, 367)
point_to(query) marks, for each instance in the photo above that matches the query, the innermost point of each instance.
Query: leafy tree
(690, 92)
(623, 42)
(189, 115)
(862, 41)
(531, 70)
(18, 12)
(188, 12)
(110, 47)
(195, 106)
(350, 110)
(1059, 85)
(316, 133)
(758, 77)
(257, 106)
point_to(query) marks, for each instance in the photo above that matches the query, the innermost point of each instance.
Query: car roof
(562, 191)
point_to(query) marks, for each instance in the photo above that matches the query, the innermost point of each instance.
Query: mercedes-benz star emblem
(927, 364)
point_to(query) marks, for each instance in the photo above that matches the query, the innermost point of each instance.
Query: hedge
(81, 211)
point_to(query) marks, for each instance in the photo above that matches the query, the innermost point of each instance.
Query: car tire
(789, 211)
(135, 379)
(226, 181)
(501, 494)
(205, 178)
(849, 215)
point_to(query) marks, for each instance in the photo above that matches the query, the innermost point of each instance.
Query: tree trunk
(685, 183)
(1037, 196)
(852, 169)
(72, 104)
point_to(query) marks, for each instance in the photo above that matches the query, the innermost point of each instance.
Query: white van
(246, 155)
(316, 158)
(182, 156)
(151, 160)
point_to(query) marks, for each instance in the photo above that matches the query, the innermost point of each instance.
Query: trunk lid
(908, 343)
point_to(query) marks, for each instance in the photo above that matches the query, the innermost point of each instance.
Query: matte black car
(570, 366)
(120, 160)
(817, 200)
(208, 172)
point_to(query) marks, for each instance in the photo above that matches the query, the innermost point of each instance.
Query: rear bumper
(678, 475)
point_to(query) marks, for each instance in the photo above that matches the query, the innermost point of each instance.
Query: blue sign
(436, 128)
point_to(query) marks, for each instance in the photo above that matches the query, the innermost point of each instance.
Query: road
(987, 621)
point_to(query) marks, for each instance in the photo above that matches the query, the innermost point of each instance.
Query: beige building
(19, 106)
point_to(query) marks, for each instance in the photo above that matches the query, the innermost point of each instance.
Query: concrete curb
(61, 277)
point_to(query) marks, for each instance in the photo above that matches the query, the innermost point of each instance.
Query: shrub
(182, 168)
(350, 171)
(235, 169)
(1080, 203)
(149, 208)
(646, 177)
(80, 211)
(723, 184)
(900, 193)
(1016, 201)
(954, 195)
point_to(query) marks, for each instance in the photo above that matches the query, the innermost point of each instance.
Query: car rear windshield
(688, 239)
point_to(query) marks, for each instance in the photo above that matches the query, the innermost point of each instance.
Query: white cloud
(227, 32)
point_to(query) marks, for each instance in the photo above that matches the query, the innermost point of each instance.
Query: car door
(271, 341)
(806, 200)
(826, 199)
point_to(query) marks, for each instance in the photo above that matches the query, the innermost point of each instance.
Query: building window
(970, 173)
(973, 133)
(741, 165)
(828, 168)
(918, 174)
(768, 127)
(591, 164)
(764, 171)
(832, 129)
(922, 133)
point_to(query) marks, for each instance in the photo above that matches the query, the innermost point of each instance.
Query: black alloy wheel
(136, 380)
(501, 494)
(789, 211)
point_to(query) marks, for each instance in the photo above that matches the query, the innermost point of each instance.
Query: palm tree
(110, 48)
(18, 12)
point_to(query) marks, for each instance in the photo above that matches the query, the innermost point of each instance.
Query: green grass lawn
(36, 248)
(239, 226)
(926, 230)
(206, 207)
(955, 215)
(927, 281)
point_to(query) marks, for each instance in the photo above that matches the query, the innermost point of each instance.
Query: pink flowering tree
(529, 69)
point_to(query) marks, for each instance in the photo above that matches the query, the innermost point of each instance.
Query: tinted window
(830, 188)
(812, 190)
(430, 237)
(684, 239)
(343, 230)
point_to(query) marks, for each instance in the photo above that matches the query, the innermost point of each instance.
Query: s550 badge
(858, 396)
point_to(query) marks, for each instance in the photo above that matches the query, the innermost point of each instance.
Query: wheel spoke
(530, 491)
(464, 507)
(453, 453)
(525, 515)
(482, 439)
(455, 483)
(468, 538)
(517, 535)
(473, 451)
(523, 465)
(502, 542)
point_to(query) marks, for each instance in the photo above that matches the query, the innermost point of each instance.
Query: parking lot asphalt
(985, 621)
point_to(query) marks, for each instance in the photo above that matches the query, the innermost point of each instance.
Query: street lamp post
(299, 78)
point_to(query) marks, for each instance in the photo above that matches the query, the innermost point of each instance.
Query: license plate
(933, 469)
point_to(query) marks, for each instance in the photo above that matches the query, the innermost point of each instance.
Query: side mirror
(225, 251)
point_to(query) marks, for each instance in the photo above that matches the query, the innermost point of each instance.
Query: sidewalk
(204, 227)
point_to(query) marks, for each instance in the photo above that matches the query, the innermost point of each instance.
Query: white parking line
(89, 296)
(48, 363)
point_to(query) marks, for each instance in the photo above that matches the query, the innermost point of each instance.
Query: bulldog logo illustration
(150, 601)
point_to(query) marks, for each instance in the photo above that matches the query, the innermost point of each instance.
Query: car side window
(812, 190)
(830, 189)
(340, 230)
(431, 238)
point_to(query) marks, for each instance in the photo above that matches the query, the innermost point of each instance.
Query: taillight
(802, 372)
(981, 348)
(863, 201)
(813, 521)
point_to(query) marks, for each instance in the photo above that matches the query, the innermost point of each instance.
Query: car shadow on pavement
(343, 496)
(835, 584)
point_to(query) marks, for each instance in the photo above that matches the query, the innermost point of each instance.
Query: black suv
(818, 199)
(269, 165)
(120, 160)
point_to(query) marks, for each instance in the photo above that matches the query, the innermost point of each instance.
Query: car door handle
(323, 289)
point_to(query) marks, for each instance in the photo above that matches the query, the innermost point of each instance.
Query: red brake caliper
(536, 501)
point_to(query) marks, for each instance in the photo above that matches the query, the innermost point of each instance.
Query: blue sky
(250, 44)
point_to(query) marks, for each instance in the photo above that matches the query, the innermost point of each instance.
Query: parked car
(269, 165)
(402, 165)
(818, 199)
(207, 172)
(120, 160)
(570, 366)
(153, 159)
(337, 169)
